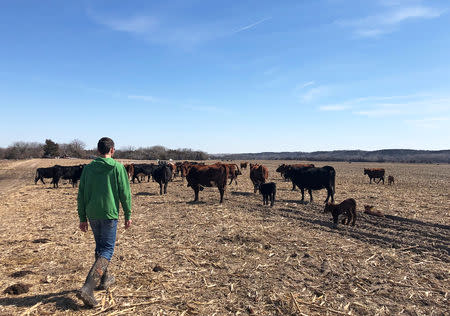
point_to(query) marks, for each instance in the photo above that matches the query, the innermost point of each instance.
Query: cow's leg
(221, 191)
(231, 181)
(165, 187)
(272, 198)
(303, 195)
(353, 212)
(160, 188)
(255, 187)
(55, 182)
(310, 195)
(329, 194)
(382, 178)
(196, 189)
(335, 217)
(293, 186)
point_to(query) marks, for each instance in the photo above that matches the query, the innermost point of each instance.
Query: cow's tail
(333, 180)
(225, 170)
(36, 177)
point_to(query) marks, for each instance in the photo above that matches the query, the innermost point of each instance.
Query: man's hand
(127, 223)
(84, 226)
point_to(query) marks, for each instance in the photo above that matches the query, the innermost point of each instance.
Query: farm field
(238, 258)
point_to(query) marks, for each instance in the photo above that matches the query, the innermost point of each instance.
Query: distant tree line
(77, 149)
(385, 155)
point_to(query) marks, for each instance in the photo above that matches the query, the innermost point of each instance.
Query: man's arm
(125, 194)
(80, 200)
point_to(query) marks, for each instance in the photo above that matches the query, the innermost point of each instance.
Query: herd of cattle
(198, 175)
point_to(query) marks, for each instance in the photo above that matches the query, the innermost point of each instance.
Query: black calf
(268, 190)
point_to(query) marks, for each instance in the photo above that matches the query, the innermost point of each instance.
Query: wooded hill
(384, 155)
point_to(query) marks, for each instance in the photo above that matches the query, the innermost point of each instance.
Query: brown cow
(184, 167)
(233, 171)
(346, 207)
(130, 170)
(375, 173)
(244, 165)
(173, 169)
(390, 179)
(258, 175)
(200, 176)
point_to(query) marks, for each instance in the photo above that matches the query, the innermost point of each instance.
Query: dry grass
(241, 257)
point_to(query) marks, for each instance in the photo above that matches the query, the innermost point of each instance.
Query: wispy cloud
(306, 84)
(146, 98)
(207, 109)
(247, 27)
(430, 122)
(307, 92)
(169, 29)
(390, 106)
(333, 107)
(390, 20)
(166, 31)
(314, 94)
(133, 24)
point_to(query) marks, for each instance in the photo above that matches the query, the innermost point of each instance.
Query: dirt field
(238, 258)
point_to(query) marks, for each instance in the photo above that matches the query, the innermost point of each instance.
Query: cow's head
(328, 207)
(281, 168)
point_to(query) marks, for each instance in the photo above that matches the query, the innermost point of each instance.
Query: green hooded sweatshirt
(104, 182)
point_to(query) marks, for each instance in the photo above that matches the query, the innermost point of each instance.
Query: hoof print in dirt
(16, 289)
(250, 310)
(20, 274)
(158, 268)
(325, 267)
(306, 255)
(41, 241)
(294, 255)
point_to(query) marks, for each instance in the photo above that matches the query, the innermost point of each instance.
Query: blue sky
(227, 76)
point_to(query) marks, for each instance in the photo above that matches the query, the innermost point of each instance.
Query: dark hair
(104, 145)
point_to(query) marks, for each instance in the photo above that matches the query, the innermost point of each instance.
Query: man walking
(103, 184)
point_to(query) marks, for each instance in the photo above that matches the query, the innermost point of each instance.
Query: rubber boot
(107, 280)
(86, 293)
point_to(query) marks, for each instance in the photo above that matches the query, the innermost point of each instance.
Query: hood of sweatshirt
(103, 165)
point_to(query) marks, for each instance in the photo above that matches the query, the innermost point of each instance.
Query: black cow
(375, 173)
(313, 179)
(50, 172)
(145, 169)
(72, 173)
(162, 174)
(268, 190)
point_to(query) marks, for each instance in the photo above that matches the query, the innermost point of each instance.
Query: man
(103, 184)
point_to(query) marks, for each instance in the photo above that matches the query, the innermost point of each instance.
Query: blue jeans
(105, 236)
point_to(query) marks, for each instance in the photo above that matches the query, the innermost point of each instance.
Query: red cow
(258, 175)
(233, 171)
(200, 176)
(130, 170)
